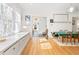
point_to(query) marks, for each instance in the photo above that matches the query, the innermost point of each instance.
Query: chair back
(69, 34)
(78, 36)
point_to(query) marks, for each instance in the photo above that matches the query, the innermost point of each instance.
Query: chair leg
(62, 39)
(78, 40)
(71, 40)
(67, 40)
(74, 40)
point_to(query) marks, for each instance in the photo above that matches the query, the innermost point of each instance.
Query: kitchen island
(14, 44)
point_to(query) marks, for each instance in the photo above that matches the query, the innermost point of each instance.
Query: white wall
(47, 10)
(24, 23)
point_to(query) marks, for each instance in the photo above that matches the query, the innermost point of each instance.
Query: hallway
(42, 46)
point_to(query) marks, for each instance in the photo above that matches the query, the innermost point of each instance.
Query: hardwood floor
(34, 48)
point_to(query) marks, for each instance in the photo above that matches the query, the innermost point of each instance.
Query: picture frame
(27, 18)
(51, 21)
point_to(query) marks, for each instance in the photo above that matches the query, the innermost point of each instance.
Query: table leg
(71, 40)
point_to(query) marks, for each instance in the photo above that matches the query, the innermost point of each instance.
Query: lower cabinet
(17, 48)
(12, 50)
(23, 42)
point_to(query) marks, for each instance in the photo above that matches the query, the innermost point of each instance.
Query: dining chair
(78, 37)
(69, 37)
(45, 34)
(75, 36)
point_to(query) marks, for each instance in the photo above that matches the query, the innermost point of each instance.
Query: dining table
(68, 35)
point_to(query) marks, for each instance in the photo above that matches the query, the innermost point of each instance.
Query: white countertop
(10, 40)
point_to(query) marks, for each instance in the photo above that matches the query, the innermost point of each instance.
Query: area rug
(45, 45)
(43, 40)
(59, 42)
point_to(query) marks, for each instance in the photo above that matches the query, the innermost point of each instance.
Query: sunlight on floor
(44, 44)
(59, 42)
(43, 40)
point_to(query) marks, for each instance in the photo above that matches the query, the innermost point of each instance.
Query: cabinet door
(10, 51)
(23, 42)
(25, 39)
(17, 47)
(13, 50)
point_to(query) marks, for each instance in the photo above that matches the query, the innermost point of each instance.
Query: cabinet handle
(14, 48)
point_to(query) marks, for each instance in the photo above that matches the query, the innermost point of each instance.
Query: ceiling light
(71, 9)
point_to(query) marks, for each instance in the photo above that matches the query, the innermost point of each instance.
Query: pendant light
(71, 9)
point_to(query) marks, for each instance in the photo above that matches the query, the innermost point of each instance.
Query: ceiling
(46, 6)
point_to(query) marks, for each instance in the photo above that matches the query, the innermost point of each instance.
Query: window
(17, 22)
(10, 20)
(1, 21)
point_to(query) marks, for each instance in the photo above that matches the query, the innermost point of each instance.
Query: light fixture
(71, 9)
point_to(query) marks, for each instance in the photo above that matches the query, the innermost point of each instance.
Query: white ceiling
(46, 6)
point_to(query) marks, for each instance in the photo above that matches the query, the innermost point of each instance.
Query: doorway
(39, 25)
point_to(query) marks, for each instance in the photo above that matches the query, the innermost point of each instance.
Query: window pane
(1, 22)
(17, 22)
(10, 20)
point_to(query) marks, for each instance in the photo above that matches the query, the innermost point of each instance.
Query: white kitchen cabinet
(12, 50)
(23, 42)
(17, 47)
